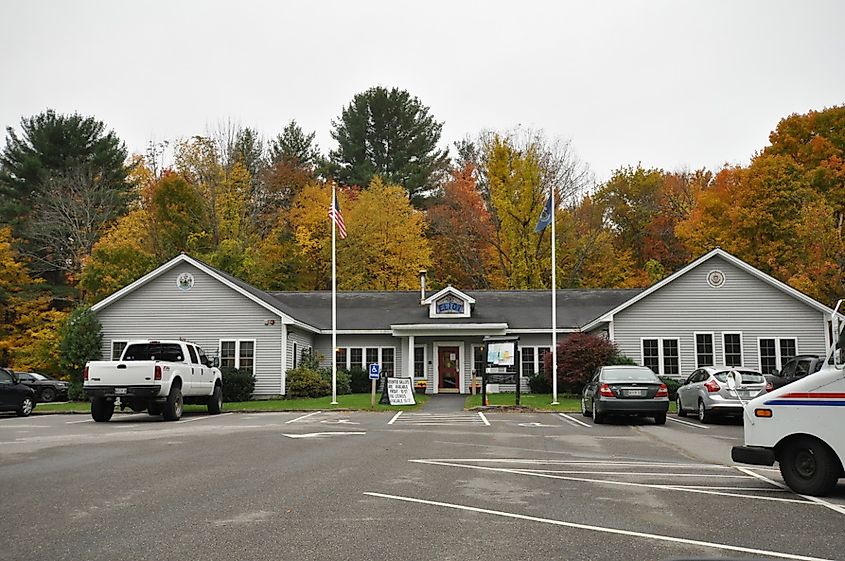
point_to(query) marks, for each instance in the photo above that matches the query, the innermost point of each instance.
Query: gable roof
(449, 290)
(733, 260)
(260, 297)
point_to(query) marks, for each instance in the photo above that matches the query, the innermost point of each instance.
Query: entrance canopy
(444, 329)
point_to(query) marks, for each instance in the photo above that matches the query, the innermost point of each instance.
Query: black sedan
(15, 396)
(625, 390)
(46, 388)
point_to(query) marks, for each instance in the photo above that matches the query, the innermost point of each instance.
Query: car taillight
(662, 391)
(157, 375)
(769, 386)
(712, 386)
(85, 374)
(605, 390)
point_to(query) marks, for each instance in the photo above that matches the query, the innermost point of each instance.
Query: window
(193, 353)
(387, 361)
(5, 377)
(776, 352)
(732, 348)
(167, 352)
(703, 349)
(238, 354)
(541, 359)
(527, 361)
(479, 360)
(340, 359)
(663, 356)
(356, 358)
(419, 362)
(227, 354)
(203, 359)
(295, 355)
(353, 357)
(372, 357)
(117, 349)
(651, 354)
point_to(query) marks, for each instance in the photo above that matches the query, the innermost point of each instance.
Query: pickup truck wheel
(173, 405)
(809, 467)
(215, 401)
(102, 409)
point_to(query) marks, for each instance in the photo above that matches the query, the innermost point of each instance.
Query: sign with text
(501, 354)
(400, 391)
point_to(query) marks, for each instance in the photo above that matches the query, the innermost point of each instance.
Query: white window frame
(425, 362)
(238, 351)
(536, 362)
(115, 358)
(660, 355)
(741, 349)
(778, 357)
(695, 346)
(364, 355)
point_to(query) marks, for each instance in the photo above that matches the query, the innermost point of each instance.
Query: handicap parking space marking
(534, 424)
(687, 423)
(302, 417)
(202, 417)
(573, 420)
(339, 422)
(320, 435)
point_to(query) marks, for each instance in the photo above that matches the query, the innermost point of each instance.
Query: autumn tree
(386, 246)
(391, 134)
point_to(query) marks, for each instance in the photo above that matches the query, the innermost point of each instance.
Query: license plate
(635, 393)
(120, 391)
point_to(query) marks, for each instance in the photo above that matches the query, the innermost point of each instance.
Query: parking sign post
(375, 374)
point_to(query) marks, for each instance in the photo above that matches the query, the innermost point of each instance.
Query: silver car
(706, 392)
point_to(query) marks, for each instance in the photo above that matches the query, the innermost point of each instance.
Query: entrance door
(448, 367)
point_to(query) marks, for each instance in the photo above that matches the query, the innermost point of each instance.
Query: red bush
(578, 358)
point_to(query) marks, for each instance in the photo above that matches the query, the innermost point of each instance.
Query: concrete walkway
(445, 403)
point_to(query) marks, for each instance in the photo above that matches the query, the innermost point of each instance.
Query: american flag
(337, 217)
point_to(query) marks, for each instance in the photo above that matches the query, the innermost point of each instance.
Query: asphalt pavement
(378, 486)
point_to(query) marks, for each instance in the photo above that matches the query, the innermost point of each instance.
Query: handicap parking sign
(375, 371)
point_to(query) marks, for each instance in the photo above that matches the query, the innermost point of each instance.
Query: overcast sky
(669, 84)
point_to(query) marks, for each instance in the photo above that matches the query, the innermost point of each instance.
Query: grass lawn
(359, 401)
(539, 402)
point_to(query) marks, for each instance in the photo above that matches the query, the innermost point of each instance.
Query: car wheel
(27, 405)
(809, 467)
(704, 416)
(660, 419)
(215, 401)
(173, 405)
(101, 409)
(48, 394)
(681, 411)
(598, 418)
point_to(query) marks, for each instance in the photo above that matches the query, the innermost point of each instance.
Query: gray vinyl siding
(324, 347)
(303, 340)
(207, 313)
(743, 304)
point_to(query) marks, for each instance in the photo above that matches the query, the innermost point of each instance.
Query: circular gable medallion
(716, 278)
(185, 281)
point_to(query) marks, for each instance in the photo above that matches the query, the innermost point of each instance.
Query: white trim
(741, 349)
(433, 329)
(364, 348)
(449, 290)
(718, 252)
(183, 258)
(543, 331)
(111, 348)
(536, 359)
(358, 332)
(436, 363)
(660, 355)
(238, 352)
(778, 354)
(424, 347)
(284, 362)
(695, 335)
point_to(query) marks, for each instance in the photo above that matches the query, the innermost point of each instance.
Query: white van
(802, 426)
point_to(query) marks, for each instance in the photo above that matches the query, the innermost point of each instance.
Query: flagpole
(334, 303)
(554, 304)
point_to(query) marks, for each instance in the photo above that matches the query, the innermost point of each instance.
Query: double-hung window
(527, 361)
(340, 359)
(362, 357)
(703, 350)
(238, 353)
(419, 361)
(662, 355)
(775, 352)
(117, 349)
(732, 348)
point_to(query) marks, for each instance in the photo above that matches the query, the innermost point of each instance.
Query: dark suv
(46, 387)
(15, 396)
(795, 369)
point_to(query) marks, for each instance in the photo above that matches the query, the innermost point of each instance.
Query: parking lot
(415, 485)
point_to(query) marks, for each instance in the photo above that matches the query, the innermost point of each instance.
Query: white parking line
(822, 502)
(204, 417)
(687, 423)
(302, 417)
(77, 422)
(641, 473)
(573, 420)
(602, 529)
(483, 418)
(393, 420)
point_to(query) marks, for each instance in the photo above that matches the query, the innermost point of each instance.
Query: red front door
(448, 360)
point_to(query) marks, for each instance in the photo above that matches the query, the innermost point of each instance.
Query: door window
(193, 353)
(6, 378)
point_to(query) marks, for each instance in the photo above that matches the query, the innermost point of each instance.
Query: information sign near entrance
(502, 364)
(400, 391)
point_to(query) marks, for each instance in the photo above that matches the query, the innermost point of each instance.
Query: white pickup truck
(800, 426)
(156, 376)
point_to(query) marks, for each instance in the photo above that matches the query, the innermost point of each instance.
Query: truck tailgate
(116, 373)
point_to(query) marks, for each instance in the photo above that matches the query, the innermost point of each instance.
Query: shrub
(360, 380)
(539, 383)
(621, 360)
(75, 392)
(80, 338)
(578, 358)
(305, 382)
(238, 385)
(672, 384)
(344, 380)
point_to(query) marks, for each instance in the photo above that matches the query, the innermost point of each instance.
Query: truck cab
(800, 425)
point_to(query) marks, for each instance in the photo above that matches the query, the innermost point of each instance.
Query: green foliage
(295, 147)
(540, 384)
(344, 380)
(578, 358)
(305, 382)
(359, 380)
(238, 384)
(672, 384)
(80, 341)
(620, 360)
(178, 211)
(391, 134)
(75, 392)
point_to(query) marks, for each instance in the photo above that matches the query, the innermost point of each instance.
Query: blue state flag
(545, 217)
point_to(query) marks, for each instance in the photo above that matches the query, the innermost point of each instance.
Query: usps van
(802, 425)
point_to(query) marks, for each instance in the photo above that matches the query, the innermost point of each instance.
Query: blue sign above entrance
(450, 305)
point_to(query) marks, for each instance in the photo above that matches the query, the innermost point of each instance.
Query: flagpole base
(555, 403)
(333, 403)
